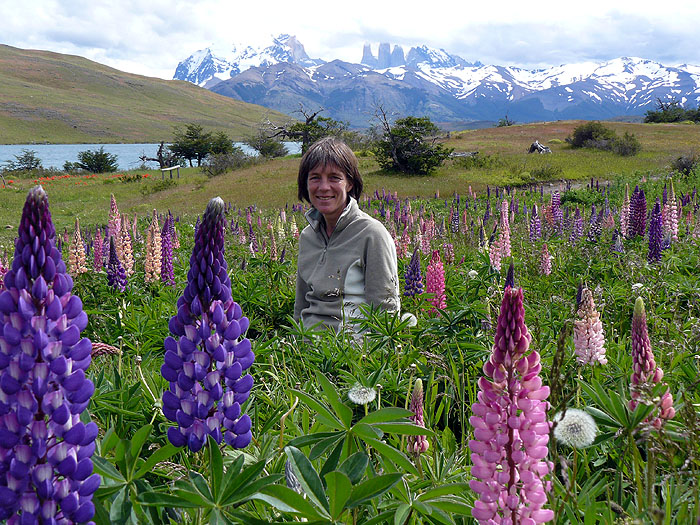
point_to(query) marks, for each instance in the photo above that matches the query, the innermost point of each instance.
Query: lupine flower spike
(207, 355)
(413, 280)
(116, 277)
(545, 261)
(417, 444)
(435, 282)
(98, 247)
(45, 449)
(76, 252)
(589, 338)
(152, 263)
(645, 373)
(655, 234)
(511, 431)
(127, 254)
(167, 274)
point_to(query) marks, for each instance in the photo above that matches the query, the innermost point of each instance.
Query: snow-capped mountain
(432, 82)
(208, 67)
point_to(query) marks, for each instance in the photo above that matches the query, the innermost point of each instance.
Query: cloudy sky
(151, 36)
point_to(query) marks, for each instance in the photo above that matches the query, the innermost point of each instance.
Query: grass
(273, 183)
(50, 97)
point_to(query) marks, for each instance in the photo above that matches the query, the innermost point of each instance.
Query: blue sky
(150, 37)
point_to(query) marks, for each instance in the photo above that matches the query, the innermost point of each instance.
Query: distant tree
(191, 143)
(164, 157)
(98, 161)
(26, 161)
(221, 143)
(218, 163)
(267, 146)
(671, 111)
(409, 145)
(309, 131)
(504, 122)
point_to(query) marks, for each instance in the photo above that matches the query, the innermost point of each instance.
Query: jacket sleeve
(381, 272)
(300, 301)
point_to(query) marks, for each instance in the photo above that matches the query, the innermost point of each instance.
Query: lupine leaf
(308, 477)
(372, 488)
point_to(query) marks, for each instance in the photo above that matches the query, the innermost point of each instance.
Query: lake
(56, 155)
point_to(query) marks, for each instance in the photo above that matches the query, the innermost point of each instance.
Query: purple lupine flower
(638, 214)
(413, 280)
(557, 213)
(655, 234)
(167, 273)
(45, 448)
(645, 373)
(617, 246)
(116, 276)
(535, 225)
(207, 354)
(98, 251)
(511, 431)
(595, 226)
(454, 220)
(577, 229)
(417, 444)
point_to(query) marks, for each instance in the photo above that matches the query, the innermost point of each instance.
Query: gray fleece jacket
(357, 264)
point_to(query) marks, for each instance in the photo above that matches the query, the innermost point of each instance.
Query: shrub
(410, 146)
(591, 134)
(596, 135)
(547, 172)
(626, 146)
(98, 161)
(217, 163)
(158, 186)
(267, 146)
(685, 164)
(479, 161)
(25, 162)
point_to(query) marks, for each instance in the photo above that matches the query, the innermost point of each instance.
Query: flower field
(151, 372)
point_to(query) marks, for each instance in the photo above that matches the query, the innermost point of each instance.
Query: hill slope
(50, 97)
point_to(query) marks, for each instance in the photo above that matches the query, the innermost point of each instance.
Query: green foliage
(596, 135)
(504, 122)
(478, 161)
(221, 143)
(671, 111)
(159, 185)
(589, 134)
(24, 162)
(191, 143)
(314, 129)
(410, 146)
(98, 161)
(266, 146)
(685, 164)
(218, 163)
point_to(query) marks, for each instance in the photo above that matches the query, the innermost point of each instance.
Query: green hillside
(50, 97)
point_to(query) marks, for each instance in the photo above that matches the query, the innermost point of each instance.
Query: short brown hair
(329, 151)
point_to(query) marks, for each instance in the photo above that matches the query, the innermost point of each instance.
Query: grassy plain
(51, 97)
(273, 183)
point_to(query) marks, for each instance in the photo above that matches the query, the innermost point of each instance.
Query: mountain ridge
(444, 86)
(53, 97)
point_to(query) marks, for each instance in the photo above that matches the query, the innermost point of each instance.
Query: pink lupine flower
(625, 212)
(114, 224)
(511, 431)
(504, 234)
(127, 253)
(670, 222)
(645, 373)
(417, 444)
(76, 253)
(98, 251)
(153, 262)
(545, 261)
(435, 282)
(495, 254)
(448, 252)
(589, 338)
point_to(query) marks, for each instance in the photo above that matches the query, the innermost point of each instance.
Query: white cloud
(152, 37)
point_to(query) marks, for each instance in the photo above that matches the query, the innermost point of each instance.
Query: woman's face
(328, 191)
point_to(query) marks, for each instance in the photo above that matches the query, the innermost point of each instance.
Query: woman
(346, 258)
